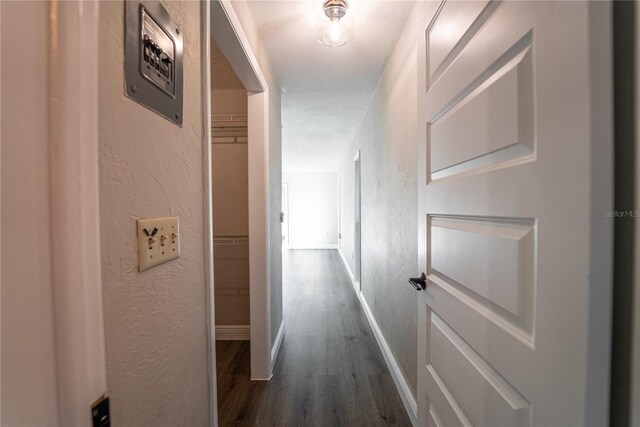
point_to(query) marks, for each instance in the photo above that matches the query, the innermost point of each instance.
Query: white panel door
(515, 176)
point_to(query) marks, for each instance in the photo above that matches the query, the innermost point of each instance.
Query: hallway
(329, 370)
(191, 189)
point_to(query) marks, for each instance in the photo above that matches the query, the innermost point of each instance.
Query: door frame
(226, 29)
(285, 212)
(357, 221)
(205, 43)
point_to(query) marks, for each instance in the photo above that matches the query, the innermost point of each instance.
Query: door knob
(419, 283)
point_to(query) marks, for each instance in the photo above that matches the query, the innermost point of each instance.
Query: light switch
(158, 241)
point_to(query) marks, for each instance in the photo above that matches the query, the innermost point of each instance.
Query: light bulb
(336, 33)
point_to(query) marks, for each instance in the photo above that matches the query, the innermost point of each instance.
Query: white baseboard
(233, 333)
(356, 285)
(408, 400)
(346, 265)
(331, 246)
(276, 345)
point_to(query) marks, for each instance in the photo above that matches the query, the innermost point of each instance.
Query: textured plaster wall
(28, 354)
(387, 138)
(313, 209)
(275, 162)
(155, 321)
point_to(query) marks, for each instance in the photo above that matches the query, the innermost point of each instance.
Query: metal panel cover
(153, 59)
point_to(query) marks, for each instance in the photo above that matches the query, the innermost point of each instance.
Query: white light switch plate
(158, 241)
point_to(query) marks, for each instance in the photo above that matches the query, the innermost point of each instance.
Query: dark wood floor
(329, 372)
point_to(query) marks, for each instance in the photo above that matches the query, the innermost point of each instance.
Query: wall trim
(356, 285)
(210, 305)
(329, 246)
(346, 265)
(277, 344)
(408, 400)
(233, 333)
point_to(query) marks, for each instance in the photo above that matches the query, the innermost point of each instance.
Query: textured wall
(387, 138)
(28, 355)
(313, 208)
(155, 324)
(275, 163)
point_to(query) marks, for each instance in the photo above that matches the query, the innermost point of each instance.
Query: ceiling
(325, 90)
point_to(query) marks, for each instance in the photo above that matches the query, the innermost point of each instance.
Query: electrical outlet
(158, 241)
(100, 413)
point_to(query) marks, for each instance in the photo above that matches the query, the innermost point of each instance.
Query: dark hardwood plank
(329, 371)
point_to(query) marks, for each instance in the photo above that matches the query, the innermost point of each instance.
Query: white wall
(28, 365)
(313, 209)
(155, 321)
(387, 140)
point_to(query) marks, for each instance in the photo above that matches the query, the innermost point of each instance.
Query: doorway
(248, 130)
(284, 216)
(357, 225)
(230, 197)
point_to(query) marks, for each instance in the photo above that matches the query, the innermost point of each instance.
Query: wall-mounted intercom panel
(153, 59)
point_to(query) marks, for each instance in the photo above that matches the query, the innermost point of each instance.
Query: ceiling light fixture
(335, 32)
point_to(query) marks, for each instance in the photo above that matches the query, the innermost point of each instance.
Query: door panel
(490, 262)
(492, 124)
(446, 30)
(507, 219)
(483, 395)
